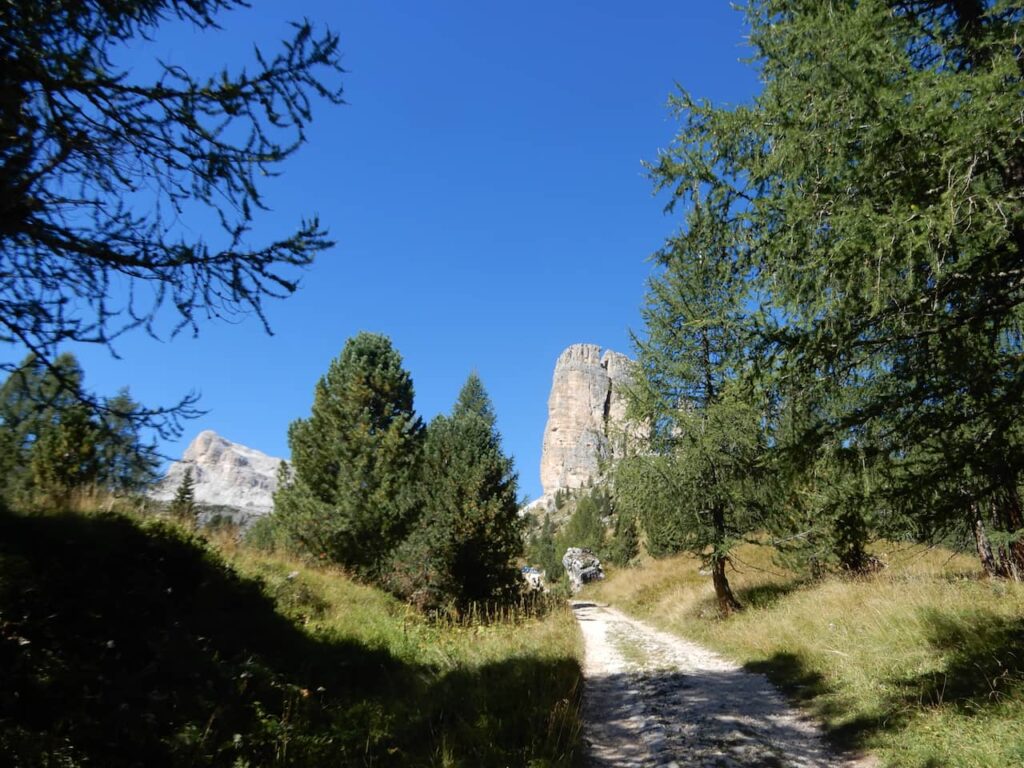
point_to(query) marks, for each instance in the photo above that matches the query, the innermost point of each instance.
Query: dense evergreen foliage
(431, 514)
(694, 487)
(890, 227)
(585, 527)
(591, 521)
(542, 551)
(356, 460)
(51, 444)
(183, 505)
(861, 226)
(465, 546)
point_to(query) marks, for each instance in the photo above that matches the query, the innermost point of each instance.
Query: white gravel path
(653, 699)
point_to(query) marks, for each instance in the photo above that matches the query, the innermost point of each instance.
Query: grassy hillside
(922, 664)
(125, 642)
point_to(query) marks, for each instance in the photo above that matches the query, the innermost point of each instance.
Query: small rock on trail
(653, 699)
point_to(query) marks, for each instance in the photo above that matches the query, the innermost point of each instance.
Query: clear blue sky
(484, 187)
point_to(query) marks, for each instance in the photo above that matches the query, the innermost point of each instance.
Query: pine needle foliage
(695, 488)
(53, 445)
(356, 460)
(469, 537)
(183, 505)
(868, 207)
(99, 166)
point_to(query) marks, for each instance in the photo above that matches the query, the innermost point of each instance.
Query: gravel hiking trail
(653, 699)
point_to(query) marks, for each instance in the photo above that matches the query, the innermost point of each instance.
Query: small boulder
(532, 579)
(582, 567)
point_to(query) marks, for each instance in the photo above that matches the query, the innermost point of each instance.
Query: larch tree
(694, 489)
(879, 178)
(891, 237)
(99, 167)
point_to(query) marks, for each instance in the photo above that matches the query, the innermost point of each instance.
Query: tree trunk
(981, 542)
(727, 602)
(1005, 559)
(1007, 518)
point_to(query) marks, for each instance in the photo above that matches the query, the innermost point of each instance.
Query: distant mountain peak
(226, 474)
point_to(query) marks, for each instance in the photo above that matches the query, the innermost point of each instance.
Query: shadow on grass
(123, 645)
(765, 595)
(807, 688)
(984, 662)
(982, 666)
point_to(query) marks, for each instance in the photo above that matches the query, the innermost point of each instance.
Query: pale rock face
(586, 416)
(226, 474)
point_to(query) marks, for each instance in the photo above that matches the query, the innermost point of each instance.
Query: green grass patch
(127, 642)
(630, 650)
(921, 665)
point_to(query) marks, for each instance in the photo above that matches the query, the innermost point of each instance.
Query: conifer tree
(894, 235)
(52, 443)
(469, 537)
(543, 551)
(31, 401)
(585, 528)
(695, 489)
(356, 460)
(183, 505)
(625, 539)
(64, 457)
(126, 462)
(877, 182)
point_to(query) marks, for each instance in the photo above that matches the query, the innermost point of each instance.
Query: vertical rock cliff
(586, 416)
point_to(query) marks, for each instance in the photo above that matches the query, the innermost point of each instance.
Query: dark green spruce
(464, 550)
(52, 444)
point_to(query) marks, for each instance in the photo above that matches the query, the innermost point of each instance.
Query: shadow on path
(652, 699)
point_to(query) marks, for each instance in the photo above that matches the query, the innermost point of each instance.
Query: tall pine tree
(695, 490)
(469, 537)
(356, 460)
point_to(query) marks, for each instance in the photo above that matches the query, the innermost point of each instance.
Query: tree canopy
(465, 546)
(52, 445)
(867, 205)
(97, 168)
(356, 459)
